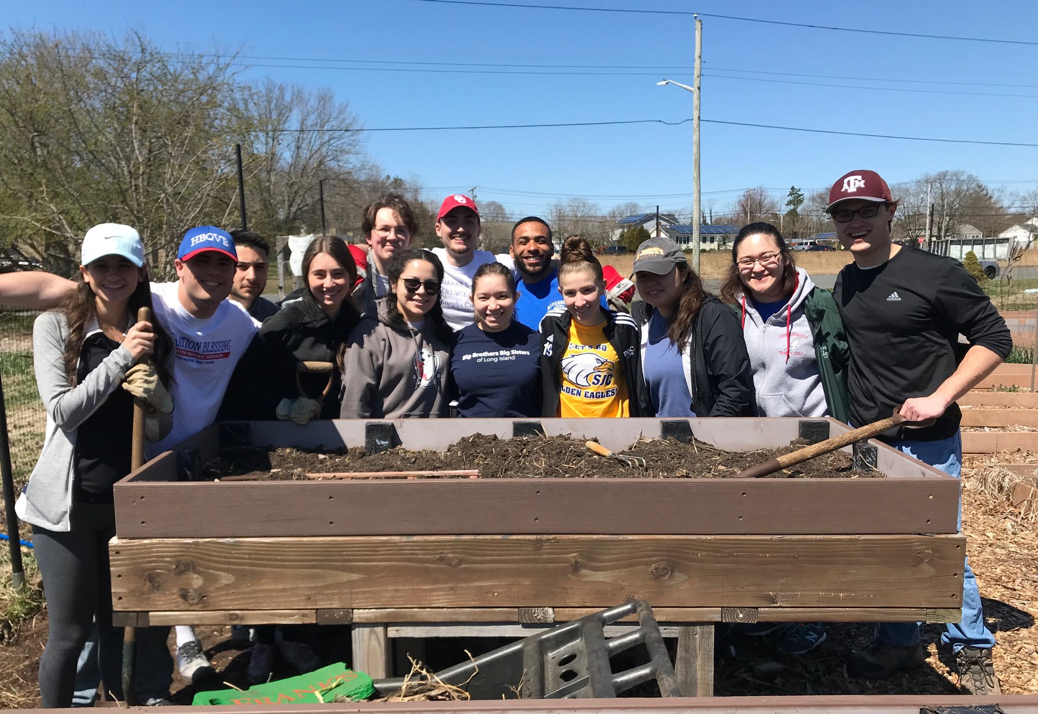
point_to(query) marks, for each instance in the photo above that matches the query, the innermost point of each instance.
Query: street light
(696, 208)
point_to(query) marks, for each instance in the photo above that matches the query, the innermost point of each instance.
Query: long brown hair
(80, 308)
(733, 284)
(692, 297)
(340, 253)
(434, 318)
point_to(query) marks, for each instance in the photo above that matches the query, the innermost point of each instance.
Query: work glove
(142, 381)
(284, 409)
(157, 426)
(304, 409)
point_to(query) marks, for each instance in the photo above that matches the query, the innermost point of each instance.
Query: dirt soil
(531, 457)
(1003, 548)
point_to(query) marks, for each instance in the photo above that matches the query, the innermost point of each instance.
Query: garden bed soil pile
(528, 457)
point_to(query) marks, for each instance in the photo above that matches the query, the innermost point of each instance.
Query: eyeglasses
(766, 260)
(432, 287)
(865, 212)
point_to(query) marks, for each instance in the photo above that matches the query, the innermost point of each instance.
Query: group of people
(419, 333)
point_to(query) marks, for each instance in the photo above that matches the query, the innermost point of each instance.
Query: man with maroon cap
(903, 310)
(457, 225)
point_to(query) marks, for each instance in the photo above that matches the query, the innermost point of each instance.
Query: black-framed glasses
(765, 260)
(432, 287)
(845, 215)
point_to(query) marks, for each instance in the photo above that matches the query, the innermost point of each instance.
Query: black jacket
(266, 373)
(719, 378)
(621, 331)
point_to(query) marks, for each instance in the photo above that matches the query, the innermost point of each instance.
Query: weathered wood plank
(1009, 400)
(999, 417)
(436, 615)
(993, 442)
(535, 506)
(531, 571)
(694, 663)
(371, 652)
(233, 617)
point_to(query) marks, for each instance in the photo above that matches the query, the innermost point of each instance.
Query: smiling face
(761, 267)
(414, 304)
(388, 235)
(661, 291)
(868, 239)
(531, 250)
(459, 230)
(329, 283)
(204, 282)
(493, 303)
(581, 292)
(113, 278)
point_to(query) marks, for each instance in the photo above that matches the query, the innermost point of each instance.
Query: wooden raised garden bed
(428, 554)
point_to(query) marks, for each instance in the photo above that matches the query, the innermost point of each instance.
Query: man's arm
(34, 289)
(978, 363)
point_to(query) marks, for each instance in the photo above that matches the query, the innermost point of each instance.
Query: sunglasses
(432, 287)
(845, 216)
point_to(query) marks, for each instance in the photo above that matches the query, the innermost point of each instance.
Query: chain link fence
(26, 419)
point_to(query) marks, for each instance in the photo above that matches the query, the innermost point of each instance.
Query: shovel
(824, 447)
(631, 462)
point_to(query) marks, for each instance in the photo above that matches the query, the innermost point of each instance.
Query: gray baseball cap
(658, 256)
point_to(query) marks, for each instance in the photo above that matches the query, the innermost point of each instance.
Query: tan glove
(157, 426)
(142, 381)
(284, 409)
(303, 410)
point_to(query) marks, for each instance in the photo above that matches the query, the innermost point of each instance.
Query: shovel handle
(598, 448)
(137, 443)
(823, 447)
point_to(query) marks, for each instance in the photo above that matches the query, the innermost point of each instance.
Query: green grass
(1009, 295)
(1020, 354)
(16, 607)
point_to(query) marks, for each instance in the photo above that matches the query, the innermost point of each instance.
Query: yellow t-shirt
(592, 376)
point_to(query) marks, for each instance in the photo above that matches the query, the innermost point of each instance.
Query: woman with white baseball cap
(89, 358)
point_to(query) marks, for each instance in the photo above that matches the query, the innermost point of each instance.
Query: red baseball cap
(360, 257)
(862, 185)
(452, 202)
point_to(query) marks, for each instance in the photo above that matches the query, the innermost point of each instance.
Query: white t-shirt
(456, 291)
(206, 352)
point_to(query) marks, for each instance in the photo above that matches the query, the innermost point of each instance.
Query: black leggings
(78, 584)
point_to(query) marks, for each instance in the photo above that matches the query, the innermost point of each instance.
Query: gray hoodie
(392, 371)
(782, 356)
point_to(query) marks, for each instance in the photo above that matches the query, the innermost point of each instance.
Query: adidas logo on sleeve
(894, 297)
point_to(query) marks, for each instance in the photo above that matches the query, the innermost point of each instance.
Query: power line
(723, 68)
(868, 135)
(910, 90)
(690, 13)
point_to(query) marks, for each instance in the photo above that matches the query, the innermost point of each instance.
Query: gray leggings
(77, 583)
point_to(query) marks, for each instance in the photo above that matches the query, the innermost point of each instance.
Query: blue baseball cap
(206, 238)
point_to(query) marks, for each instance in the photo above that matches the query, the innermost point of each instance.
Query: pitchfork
(631, 462)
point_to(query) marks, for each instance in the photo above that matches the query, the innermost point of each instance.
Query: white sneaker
(192, 663)
(301, 656)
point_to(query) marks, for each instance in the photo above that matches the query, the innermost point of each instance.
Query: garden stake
(136, 461)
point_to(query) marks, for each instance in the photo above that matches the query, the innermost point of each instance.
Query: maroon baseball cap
(455, 201)
(863, 185)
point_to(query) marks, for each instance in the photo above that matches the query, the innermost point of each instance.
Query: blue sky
(937, 92)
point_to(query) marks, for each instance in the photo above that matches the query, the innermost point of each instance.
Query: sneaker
(261, 663)
(800, 639)
(881, 660)
(756, 629)
(976, 671)
(192, 663)
(300, 655)
(158, 702)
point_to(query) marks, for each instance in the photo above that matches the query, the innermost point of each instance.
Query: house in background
(646, 221)
(966, 232)
(710, 237)
(1022, 234)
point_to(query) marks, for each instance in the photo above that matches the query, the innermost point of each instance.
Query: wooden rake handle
(823, 447)
(137, 443)
(598, 448)
(315, 367)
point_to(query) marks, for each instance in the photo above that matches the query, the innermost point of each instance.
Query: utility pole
(320, 191)
(929, 215)
(474, 195)
(241, 189)
(696, 208)
(657, 222)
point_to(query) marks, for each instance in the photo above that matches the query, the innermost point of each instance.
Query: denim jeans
(945, 455)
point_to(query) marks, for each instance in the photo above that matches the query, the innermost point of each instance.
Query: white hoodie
(782, 356)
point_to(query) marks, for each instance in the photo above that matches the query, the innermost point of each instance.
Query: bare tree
(756, 204)
(578, 216)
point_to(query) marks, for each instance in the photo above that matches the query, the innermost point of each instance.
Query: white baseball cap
(113, 239)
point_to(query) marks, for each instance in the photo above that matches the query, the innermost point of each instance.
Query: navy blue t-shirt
(767, 309)
(497, 374)
(664, 372)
